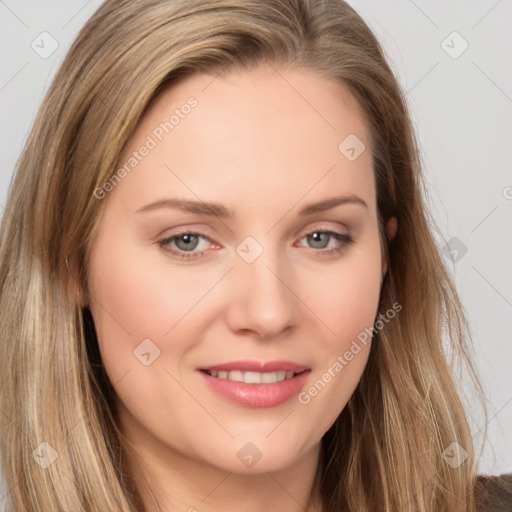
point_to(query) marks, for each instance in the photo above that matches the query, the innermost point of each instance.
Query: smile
(256, 383)
(253, 377)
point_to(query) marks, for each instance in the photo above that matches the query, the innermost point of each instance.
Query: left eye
(318, 238)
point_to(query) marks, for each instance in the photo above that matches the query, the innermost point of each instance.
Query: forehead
(250, 135)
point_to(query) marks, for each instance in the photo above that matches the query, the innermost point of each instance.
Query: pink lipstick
(256, 383)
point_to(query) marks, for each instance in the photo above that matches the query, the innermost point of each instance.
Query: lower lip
(257, 395)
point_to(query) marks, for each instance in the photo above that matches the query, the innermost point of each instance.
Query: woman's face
(240, 240)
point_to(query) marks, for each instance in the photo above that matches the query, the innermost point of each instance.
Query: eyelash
(345, 239)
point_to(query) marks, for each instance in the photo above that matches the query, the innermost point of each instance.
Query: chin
(257, 456)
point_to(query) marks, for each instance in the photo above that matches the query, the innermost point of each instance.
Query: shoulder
(494, 493)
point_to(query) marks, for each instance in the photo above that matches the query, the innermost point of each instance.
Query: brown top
(494, 493)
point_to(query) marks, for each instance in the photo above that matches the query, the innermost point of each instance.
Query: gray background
(461, 106)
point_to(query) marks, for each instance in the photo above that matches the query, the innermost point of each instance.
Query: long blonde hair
(384, 451)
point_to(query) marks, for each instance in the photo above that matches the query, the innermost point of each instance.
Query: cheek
(131, 301)
(346, 300)
(346, 296)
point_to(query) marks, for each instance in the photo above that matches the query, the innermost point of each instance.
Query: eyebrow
(220, 211)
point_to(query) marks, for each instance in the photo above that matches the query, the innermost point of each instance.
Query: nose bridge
(261, 300)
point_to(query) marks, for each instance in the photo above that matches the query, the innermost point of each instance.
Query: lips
(257, 366)
(255, 383)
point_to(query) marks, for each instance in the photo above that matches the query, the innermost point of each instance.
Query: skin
(264, 149)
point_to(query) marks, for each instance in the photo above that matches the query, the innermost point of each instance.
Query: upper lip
(257, 366)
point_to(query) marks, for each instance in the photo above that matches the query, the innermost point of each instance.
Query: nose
(262, 299)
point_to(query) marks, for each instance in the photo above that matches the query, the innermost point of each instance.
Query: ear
(391, 229)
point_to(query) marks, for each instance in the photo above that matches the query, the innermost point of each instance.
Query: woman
(219, 286)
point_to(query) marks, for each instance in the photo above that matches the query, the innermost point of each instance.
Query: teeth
(269, 378)
(236, 375)
(253, 377)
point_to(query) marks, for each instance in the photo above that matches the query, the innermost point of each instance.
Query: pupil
(317, 238)
(187, 239)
